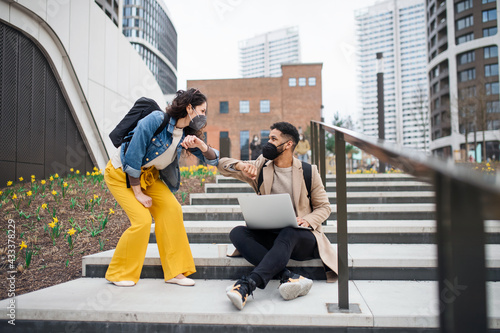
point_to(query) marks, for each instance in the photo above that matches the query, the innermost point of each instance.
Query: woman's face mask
(198, 121)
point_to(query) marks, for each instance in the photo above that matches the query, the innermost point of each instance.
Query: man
(270, 250)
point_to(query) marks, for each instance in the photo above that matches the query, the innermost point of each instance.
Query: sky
(208, 32)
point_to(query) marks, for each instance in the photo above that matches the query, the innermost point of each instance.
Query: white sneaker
(124, 283)
(181, 282)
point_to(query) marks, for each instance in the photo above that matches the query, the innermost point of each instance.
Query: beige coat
(319, 198)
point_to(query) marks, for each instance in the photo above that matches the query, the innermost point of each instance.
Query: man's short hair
(288, 130)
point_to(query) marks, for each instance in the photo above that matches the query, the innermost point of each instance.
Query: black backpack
(142, 107)
(306, 172)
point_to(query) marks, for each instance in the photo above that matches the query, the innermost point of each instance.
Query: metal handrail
(464, 199)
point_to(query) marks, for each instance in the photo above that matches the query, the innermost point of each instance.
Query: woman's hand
(145, 200)
(192, 141)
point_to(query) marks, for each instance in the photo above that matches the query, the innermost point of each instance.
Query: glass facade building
(147, 25)
(262, 56)
(397, 30)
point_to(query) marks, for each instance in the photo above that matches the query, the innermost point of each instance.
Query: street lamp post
(380, 103)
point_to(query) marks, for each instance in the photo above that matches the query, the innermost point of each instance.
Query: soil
(53, 262)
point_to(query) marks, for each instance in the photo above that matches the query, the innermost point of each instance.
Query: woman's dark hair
(182, 100)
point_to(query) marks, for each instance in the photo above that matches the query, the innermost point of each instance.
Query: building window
(265, 106)
(244, 145)
(264, 137)
(467, 75)
(224, 135)
(302, 81)
(312, 81)
(489, 15)
(465, 38)
(493, 107)
(490, 31)
(491, 70)
(465, 22)
(490, 52)
(224, 107)
(491, 88)
(463, 5)
(292, 82)
(488, 1)
(244, 106)
(465, 58)
(467, 92)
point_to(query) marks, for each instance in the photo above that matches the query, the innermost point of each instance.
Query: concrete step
(374, 186)
(360, 232)
(352, 197)
(349, 177)
(95, 305)
(366, 262)
(354, 212)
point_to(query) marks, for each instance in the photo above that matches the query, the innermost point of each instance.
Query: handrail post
(461, 256)
(343, 273)
(322, 155)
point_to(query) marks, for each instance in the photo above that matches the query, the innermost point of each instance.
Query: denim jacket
(143, 148)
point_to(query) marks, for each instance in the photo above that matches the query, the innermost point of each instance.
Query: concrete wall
(98, 70)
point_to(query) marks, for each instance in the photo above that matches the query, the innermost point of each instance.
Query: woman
(255, 147)
(302, 149)
(140, 160)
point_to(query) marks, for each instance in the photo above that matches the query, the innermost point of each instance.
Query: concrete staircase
(392, 262)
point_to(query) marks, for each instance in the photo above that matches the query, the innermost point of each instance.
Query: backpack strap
(306, 172)
(164, 123)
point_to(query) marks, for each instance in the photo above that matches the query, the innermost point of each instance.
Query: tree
(330, 138)
(421, 111)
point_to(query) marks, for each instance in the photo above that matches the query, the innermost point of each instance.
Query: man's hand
(303, 223)
(249, 170)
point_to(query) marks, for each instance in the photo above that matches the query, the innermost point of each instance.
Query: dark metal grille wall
(38, 135)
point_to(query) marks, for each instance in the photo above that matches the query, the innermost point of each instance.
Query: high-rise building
(111, 8)
(149, 28)
(397, 30)
(463, 78)
(262, 55)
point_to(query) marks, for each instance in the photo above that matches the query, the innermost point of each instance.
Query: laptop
(272, 211)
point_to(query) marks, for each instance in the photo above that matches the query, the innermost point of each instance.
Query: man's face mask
(270, 151)
(198, 121)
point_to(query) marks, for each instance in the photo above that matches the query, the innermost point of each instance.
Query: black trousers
(270, 250)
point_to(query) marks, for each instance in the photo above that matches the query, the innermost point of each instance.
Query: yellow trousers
(171, 237)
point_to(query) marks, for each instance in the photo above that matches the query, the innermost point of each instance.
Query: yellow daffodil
(14, 196)
(51, 178)
(71, 231)
(111, 211)
(23, 245)
(54, 192)
(43, 182)
(77, 172)
(95, 169)
(180, 183)
(56, 175)
(55, 219)
(88, 173)
(1, 192)
(52, 225)
(44, 206)
(29, 193)
(9, 183)
(203, 180)
(21, 179)
(71, 169)
(65, 184)
(95, 196)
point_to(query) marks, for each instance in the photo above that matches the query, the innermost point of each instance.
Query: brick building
(240, 108)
